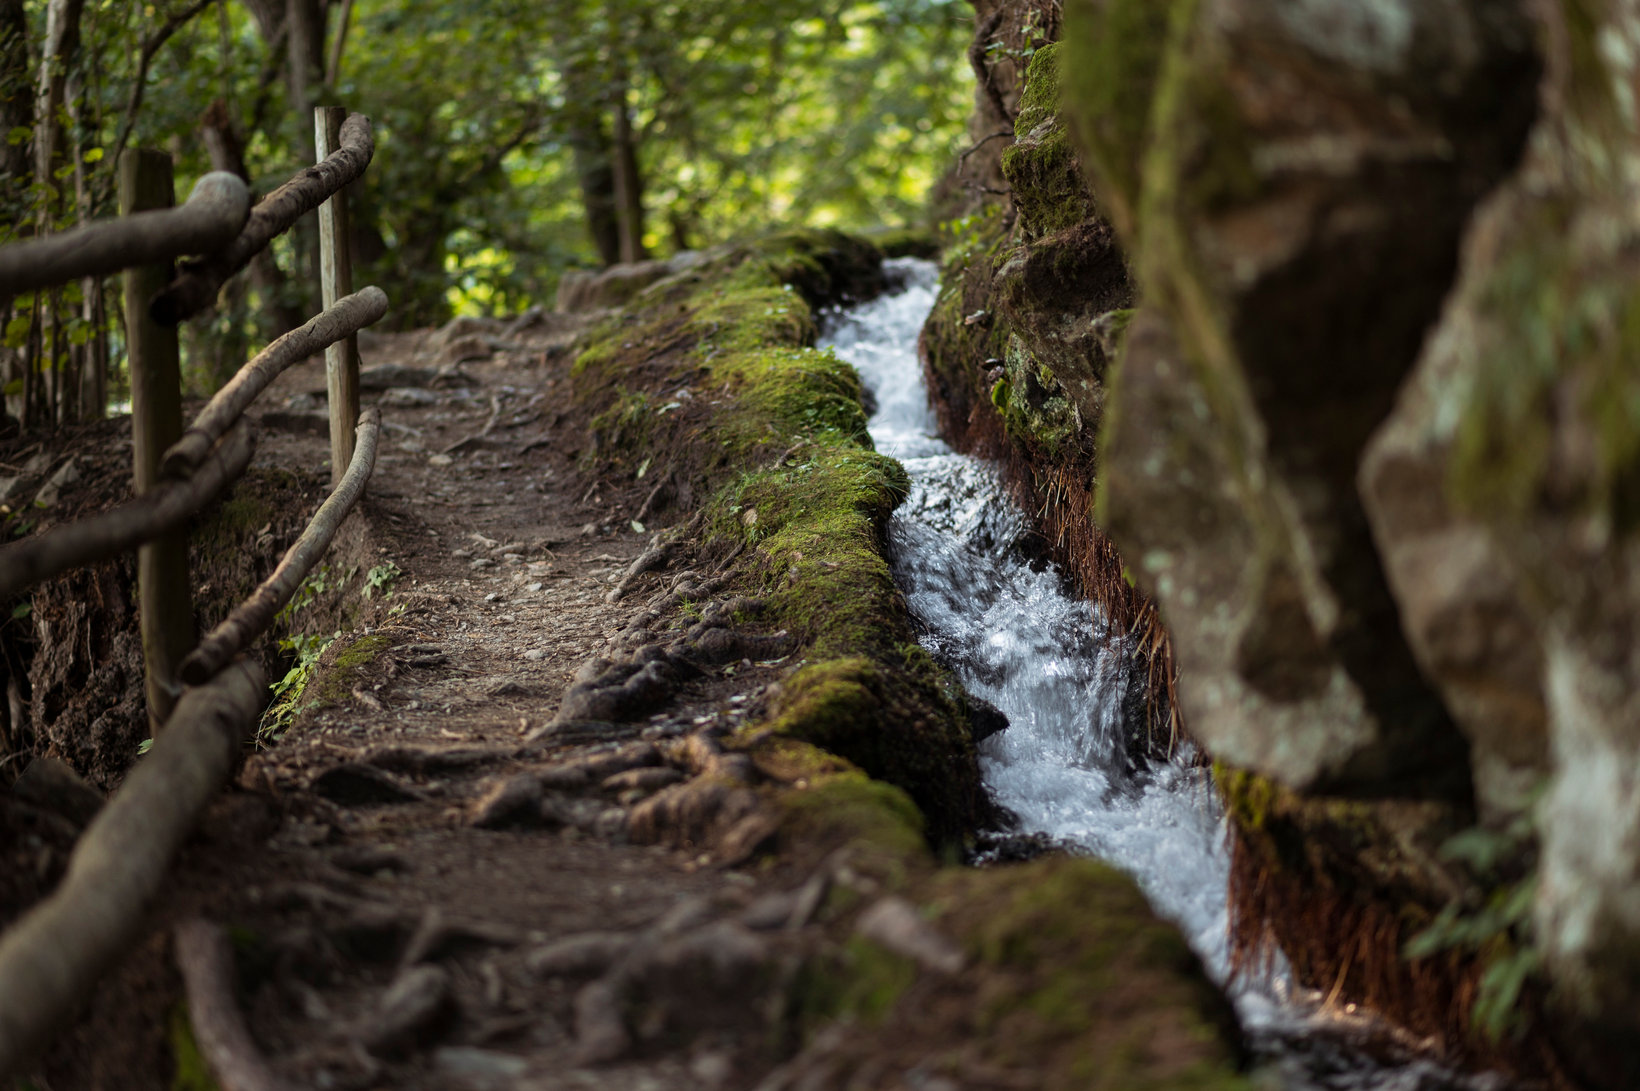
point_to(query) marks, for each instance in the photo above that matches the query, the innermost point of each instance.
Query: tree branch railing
(196, 287)
(53, 956)
(121, 529)
(213, 216)
(251, 618)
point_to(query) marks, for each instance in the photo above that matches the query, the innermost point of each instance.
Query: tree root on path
(205, 958)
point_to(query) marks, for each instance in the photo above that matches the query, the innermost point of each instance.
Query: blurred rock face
(1396, 544)
(1294, 201)
(1504, 488)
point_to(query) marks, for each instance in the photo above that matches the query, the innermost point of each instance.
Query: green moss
(862, 982)
(1556, 311)
(774, 432)
(1034, 407)
(907, 242)
(191, 1073)
(878, 819)
(339, 671)
(1081, 981)
(895, 721)
(1041, 165)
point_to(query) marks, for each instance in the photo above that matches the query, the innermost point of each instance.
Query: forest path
(429, 890)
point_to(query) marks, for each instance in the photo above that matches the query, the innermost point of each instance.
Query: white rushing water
(1050, 662)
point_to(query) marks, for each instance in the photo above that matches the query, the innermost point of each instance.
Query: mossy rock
(1070, 983)
(1042, 165)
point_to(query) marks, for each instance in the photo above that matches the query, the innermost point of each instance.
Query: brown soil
(352, 841)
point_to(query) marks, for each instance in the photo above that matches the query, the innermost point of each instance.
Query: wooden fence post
(164, 587)
(336, 281)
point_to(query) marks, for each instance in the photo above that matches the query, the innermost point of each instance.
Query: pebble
(535, 655)
(440, 460)
(467, 1063)
(536, 586)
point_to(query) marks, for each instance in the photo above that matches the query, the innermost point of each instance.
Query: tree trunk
(227, 152)
(305, 21)
(62, 44)
(16, 112)
(16, 107)
(596, 174)
(628, 183)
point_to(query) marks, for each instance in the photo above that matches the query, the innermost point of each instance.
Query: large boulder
(1513, 459)
(1293, 181)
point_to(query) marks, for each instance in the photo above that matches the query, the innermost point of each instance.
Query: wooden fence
(52, 957)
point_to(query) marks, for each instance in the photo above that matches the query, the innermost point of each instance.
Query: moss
(894, 721)
(774, 432)
(908, 242)
(879, 820)
(862, 982)
(191, 1073)
(1555, 311)
(1041, 165)
(1033, 406)
(1083, 984)
(339, 671)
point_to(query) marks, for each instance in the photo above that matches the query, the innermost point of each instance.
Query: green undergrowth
(314, 677)
(712, 375)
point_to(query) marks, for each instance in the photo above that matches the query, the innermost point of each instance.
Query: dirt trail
(431, 886)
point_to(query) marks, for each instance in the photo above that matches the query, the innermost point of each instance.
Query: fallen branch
(349, 315)
(210, 219)
(124, 528)
(251, 618)
(196, 288)
(53, 956)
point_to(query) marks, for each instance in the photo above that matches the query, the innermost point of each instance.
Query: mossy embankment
(709, 379)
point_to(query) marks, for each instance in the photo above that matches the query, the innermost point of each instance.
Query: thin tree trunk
(227, 152)
(628, 183)
(62, 45)
(16, 112)
(305, 41)
(596, 175)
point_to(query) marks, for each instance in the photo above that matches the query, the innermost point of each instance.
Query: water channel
(1015, 637)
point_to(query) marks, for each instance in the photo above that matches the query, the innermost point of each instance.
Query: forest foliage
(515, 139)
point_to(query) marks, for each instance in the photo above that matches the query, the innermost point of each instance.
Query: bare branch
(253, 616)
(350, 315)
(210, 219)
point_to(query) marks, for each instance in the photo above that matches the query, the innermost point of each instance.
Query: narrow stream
(1053, 665)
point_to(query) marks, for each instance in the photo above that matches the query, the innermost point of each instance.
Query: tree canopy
(515, 139)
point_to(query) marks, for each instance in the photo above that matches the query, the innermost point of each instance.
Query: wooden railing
(52, 957)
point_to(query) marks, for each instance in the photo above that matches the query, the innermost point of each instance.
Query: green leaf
(22, 134)
(17, 335)
(21, 610)
(93, 155)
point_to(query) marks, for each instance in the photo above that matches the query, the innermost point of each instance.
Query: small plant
(288, 691)
(1499, 931)
(381, 578)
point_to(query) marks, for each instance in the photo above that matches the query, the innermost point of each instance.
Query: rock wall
(1504, 489)
(1370, 440)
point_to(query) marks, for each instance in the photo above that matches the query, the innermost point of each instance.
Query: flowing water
(1052, 663)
